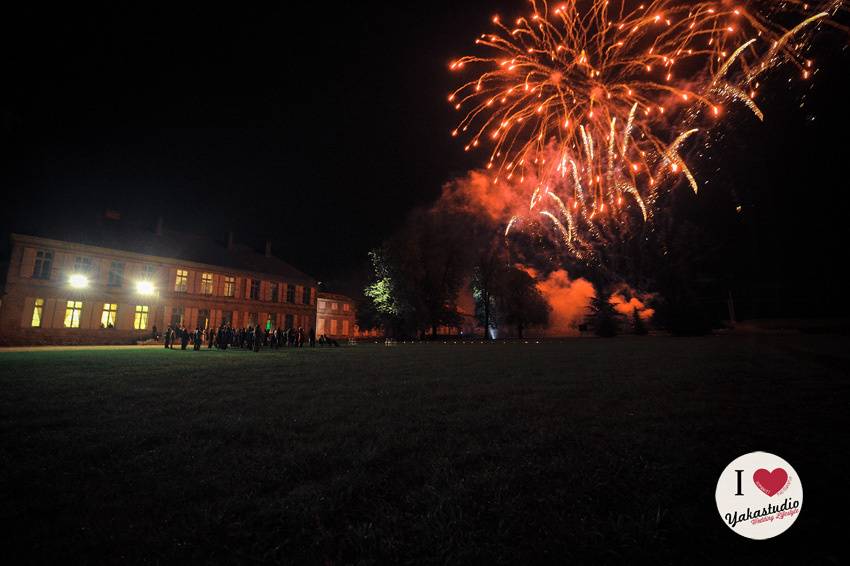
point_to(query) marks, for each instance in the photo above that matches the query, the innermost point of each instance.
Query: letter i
(739, 472)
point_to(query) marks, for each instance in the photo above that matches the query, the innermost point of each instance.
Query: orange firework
(592, 100)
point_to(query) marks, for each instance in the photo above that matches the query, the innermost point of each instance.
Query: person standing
(258, 338)
(184, 337)
(312, 338)
(167, 337)
(198, 338)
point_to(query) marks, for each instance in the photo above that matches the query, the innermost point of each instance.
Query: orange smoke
(477, 194)
(568, 298)
(627, 306)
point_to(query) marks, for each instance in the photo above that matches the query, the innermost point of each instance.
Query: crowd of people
(249, 338)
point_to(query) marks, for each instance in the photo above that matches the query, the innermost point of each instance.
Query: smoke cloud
(568, 298)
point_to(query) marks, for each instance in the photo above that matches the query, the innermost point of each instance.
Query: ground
(585, 450)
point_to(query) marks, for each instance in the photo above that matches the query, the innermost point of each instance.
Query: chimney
(230, 240)
(268, 248)
(159, 223)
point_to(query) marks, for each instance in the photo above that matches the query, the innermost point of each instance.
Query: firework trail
(593, 100)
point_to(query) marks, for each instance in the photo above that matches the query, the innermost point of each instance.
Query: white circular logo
(759, 495)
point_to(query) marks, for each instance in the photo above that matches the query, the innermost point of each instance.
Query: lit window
(333, 326)
(290, 293)
(322, 304)
(345, 328)
(73, 309)
(334, 306)
(345, 307)
(229, 286)
(37, 312)
(206, 283)
(140, 320)
(110, 313)
(181, 282)
(43, 264)
(307, 295)
(116, 274)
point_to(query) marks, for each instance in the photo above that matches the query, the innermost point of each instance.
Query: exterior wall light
(78, 281)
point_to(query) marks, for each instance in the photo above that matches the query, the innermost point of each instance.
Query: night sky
(320, 125)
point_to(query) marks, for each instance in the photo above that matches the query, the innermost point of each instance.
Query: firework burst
(594, 100)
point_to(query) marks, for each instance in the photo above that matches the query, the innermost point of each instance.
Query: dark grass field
(583, 451)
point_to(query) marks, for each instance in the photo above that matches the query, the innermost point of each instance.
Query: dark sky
(321, 124)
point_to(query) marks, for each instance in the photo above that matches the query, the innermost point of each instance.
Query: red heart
(770, 482)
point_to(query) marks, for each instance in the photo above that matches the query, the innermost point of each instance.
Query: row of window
(43, 266)
(334, 306)
(252, 287)
(332, 326)
(109, 315)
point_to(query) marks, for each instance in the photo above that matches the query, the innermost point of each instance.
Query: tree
(604, 316)
(418, 273)
(487, 276)
(638, 325)
(520, 301)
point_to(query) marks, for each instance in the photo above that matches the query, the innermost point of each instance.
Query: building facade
(63, 292)
(335, 316)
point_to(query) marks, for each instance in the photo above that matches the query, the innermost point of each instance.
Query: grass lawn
(588, 451)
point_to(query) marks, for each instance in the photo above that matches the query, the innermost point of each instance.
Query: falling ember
(596, 99)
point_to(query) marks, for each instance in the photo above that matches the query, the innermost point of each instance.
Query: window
(290, 293)
(204, 318)
(275, 292)
(271, 322)
(116, 274)
(255, 289)
(307, 295)
(322, 305)
(37, 312)
(345, 328)
(252, 319)
(73, 309)
(181, 282)
(334, 306)
(140, 320)
(227, 318)
(110, 313)
(333, 326)
(289, 321)
(229, 286)
(321, 329)
(177, 316)
(82, 264)
(206, 283)
(43, 264)
(149, 272)
(346, 307)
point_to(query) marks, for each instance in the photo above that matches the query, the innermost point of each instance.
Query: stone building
(113, 286)
(335, 316)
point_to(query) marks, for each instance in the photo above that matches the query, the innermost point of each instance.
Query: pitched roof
(176, 245)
